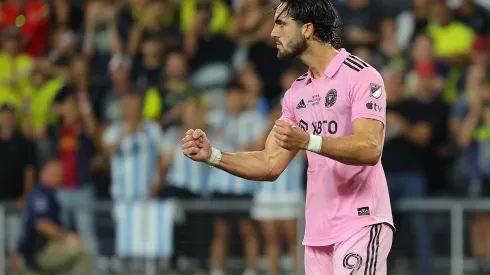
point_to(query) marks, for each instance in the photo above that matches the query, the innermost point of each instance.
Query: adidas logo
(301, 105)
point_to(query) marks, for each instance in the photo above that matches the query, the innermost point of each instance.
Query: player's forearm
(352, 150)
(248, 165)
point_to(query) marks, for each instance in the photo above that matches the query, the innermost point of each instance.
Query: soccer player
(336, 112)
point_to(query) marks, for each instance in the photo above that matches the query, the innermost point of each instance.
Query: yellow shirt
(20, 66)
(220, 21)
(452, 39)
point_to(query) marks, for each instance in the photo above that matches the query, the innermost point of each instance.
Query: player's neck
(317, 58)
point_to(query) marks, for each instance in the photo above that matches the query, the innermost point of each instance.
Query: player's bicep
(278, 157)
(371, 130)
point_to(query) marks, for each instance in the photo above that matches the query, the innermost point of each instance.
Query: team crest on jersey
(376, 90)
(330, 98)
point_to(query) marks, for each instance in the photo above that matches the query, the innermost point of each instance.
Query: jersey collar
(334, 65)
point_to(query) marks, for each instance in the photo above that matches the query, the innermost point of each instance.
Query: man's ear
(308, 30)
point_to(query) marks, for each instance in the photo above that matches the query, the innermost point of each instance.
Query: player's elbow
(372, 154)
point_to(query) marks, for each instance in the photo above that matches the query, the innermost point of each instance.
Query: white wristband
(315, 143)
(215, 157)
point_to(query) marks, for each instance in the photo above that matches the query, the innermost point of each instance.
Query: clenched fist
(289, 136)
(196, 145)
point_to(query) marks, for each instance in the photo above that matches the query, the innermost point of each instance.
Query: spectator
(212, 13)
(175, 87)
(147, 71)
(361, 20)
(100, 38)
(249, 137)
(63, 47)
(250, 26)
(72, 141)
(18, 161)
(389, 51)
(139, 140)
(67, 15)
(470, 127)
(46, 246)
(45, 81)
(473, 15)
(186, 179)
(111, 101)
(32, 17)
(16, 66)
(452, 39)
(158, 22)
(134, 146)
(253, 87)
(210, 53)
(408, 134)
(412, 22)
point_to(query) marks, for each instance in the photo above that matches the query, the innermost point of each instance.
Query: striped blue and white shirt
(134, 166)
(184, 172)
(289, 185)
(233, 132)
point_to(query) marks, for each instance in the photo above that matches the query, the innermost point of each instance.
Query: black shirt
(16, 155)
(41, 204)
(216, 48)
(401, 155)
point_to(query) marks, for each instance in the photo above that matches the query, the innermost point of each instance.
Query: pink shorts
(364, 253)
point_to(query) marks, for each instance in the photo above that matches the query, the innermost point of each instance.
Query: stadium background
(434, 58)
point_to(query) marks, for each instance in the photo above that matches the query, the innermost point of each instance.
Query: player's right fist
(196, 145)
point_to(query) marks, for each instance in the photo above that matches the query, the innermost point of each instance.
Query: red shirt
(68, 146)
(35, 27)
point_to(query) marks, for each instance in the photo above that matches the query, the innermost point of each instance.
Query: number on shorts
(354, 266)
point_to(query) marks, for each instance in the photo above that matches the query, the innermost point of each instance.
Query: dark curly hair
(322, 14)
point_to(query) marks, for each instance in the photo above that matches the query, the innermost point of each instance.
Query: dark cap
(11, 32)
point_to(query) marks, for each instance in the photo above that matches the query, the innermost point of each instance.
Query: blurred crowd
(77, 77)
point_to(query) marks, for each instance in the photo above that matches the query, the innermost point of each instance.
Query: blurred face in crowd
(234, 99)
(388, 29)
(7, 121)
(290, 42)
(252, 83)
(11, 45)
(440, 13)
(120, 77)
(79, 67)
(176, 66)
(64, 42)
(393, 85)
(422, 49)
(475, 76)
(69, 110)
(193, 114)
(158, 9)
(132, 108)
(52, 174)
(38, 78)
(152, 48)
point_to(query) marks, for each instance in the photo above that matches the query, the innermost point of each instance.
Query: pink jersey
(340, 198)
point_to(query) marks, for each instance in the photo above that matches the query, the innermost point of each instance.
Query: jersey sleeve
(287, 110)
(368, 97)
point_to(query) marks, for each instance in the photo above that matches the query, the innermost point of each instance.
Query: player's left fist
(289, 136)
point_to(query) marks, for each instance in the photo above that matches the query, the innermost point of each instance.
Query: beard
(293, 49)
